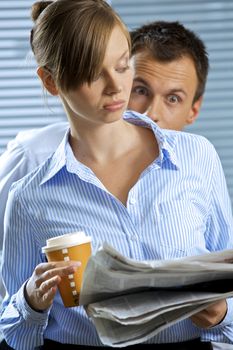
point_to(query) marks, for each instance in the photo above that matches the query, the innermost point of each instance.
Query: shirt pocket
(180, 226)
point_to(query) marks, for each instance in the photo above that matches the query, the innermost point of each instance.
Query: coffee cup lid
(65, 241)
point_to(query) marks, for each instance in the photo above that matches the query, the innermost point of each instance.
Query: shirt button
(132, 201)
(133, 238)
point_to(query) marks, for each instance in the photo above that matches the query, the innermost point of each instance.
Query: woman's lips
(115, 106)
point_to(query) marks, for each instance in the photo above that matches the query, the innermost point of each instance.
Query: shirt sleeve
(24, 322)
(23, 155)
(14, 164)
(219, 235)
(21, 254)
(223, 332)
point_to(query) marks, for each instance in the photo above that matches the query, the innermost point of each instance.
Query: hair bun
(38, 7)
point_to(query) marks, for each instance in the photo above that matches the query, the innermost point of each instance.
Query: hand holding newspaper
(131, 301)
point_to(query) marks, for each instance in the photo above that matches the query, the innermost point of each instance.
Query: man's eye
(173, 99)
(140, 90)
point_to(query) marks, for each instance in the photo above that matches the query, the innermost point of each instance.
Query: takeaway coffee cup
(73, 246)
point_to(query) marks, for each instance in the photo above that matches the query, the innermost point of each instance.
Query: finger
(46, 293)
(47, 298)
(49, 284)
(43, 267)
(208, 317)
(58, 271)
(201, 323)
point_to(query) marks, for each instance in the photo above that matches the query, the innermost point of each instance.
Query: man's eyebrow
(175, 91)
(140, 80)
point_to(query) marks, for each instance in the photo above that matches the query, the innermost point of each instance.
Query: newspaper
(131, 301)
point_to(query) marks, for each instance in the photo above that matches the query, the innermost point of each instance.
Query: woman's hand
(42, 285)
(211, 316)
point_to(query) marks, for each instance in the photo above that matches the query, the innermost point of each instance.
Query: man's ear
(47, 81)
(193, 114)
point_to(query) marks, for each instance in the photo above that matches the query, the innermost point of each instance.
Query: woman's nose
(113, 86)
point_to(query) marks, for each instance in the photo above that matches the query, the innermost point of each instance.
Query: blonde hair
(69, 38)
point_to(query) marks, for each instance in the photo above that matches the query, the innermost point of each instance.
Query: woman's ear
(47, 81)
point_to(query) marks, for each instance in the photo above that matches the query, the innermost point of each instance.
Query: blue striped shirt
(178, 207)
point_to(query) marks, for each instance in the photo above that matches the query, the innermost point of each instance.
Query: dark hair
(69, 38)
(168, 41)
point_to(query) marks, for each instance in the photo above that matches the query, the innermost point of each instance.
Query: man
(171, 67)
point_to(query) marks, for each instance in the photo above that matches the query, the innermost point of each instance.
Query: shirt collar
(166, 139)
(57, 161)
(64, 157)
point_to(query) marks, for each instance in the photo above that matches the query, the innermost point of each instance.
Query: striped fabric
(178, 207)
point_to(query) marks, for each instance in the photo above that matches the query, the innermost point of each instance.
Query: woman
(149, 193)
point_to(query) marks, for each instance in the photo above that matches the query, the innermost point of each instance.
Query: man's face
(165, 91)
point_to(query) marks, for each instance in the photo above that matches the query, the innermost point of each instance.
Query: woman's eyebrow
(124, 55)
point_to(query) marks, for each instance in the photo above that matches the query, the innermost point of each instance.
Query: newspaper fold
(131, 301)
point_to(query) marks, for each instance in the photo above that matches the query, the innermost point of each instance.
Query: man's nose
(154, 110)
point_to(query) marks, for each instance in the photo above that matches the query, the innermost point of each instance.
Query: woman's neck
(101, 143)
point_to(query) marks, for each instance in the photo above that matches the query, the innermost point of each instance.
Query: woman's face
(105, 99)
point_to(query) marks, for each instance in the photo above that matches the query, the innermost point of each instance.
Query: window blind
(23, 105)
(213, 22)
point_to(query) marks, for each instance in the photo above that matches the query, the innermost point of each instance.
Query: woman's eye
(173, 99)
(97, 77)
(122, 69)
(140, 90)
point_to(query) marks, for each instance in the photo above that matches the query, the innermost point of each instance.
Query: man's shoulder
(190, 140)
(29, 149)
(30, 181)
(40, 140)
(191, 150)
